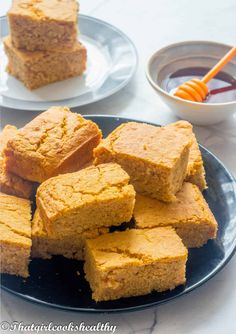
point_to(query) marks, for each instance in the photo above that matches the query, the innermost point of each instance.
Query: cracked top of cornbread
(189, 207)
(59, 10)
(15, 220)
(158, 145)
(90, 185)
(52, 143)
(136, 247)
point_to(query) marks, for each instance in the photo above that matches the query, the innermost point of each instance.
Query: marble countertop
(151, 25)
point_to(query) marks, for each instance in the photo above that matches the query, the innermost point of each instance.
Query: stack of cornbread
(42, 46)
(56, 142)
(88, 185)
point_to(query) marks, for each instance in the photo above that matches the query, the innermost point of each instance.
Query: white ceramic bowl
(190, 54)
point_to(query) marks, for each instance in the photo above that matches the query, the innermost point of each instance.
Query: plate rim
(70, 102)
(153, 304)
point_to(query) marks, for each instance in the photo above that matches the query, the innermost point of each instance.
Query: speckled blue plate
(55, 282)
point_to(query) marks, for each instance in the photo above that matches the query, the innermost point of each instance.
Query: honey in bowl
(222, 88)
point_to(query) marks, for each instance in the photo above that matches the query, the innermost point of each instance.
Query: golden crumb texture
(57, 141)
(15, 235)
(96, 196)
(190, 215)
(45, 246)
(195, 168)
(155, 157)
(10, 183)
(39, 68)
(134, 262)
(43, 24)
(9, 131)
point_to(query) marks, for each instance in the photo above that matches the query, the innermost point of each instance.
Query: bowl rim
(163, 92)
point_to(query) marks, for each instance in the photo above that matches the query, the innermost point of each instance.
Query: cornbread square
(55, 142)
(39, 68)
(15, 235)
(44, 246)
(134, 262)
(155, 157)
(195, 169)
(92, 198)
(190, 215)
(43, 24)
(12, 184)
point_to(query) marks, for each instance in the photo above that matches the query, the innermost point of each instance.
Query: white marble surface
(152, 24)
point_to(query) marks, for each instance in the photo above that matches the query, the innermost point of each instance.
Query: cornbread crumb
(91, 198)
(39, 68)
(15, 235)
(189, 215)
(12, 184)
(195, 168)
(43, 24)
(44, 246)
(57, 141)
(134, 262)
(154, 157)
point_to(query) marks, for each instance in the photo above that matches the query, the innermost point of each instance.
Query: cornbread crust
(91, 198)
(55, 142)
(134, 262)
(190, 215)
(154, 157)
(43, 24)
(9, 131)
(15, 235)
(12, 184)
(195, 169)
(44, 246)
(39, 68)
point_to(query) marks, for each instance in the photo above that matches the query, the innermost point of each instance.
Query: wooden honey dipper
(196, 90)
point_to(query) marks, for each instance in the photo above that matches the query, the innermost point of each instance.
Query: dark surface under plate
(56, 282)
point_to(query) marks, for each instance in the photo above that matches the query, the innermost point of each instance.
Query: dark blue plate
(56, 282)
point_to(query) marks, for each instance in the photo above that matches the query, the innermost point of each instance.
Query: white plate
(112, 61)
